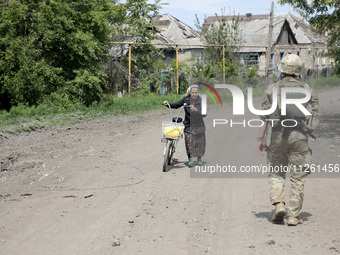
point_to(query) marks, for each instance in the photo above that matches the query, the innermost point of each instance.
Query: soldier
(288, 147)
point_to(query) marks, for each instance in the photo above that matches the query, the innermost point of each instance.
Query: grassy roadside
(25, 119)
(319, 84)
(326, 82)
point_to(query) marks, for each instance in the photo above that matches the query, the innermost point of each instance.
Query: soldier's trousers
(291, 155)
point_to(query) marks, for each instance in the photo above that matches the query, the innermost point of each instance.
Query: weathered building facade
(289, 35)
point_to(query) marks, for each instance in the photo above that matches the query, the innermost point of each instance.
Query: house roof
(255, 33)
(303, 33)
(211, 19)
(175, 31)
(255, 30)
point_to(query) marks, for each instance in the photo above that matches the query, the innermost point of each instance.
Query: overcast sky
(185, 10)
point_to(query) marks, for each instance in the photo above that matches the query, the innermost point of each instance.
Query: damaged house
(172, 33)
(289, 35)
(176, 32)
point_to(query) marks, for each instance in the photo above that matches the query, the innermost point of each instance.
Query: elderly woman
(194, 128)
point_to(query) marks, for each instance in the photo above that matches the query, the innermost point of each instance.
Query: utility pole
(269, 47)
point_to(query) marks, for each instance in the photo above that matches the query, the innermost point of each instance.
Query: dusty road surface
(98, 188)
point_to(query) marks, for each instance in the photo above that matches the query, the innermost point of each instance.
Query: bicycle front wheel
(167, 154)
(171, 151)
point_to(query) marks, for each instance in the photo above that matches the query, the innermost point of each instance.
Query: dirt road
(98, 188)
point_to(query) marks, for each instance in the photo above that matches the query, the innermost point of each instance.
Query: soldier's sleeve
(267, 101)
(313, 107)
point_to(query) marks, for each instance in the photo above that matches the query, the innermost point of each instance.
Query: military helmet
(291, 64)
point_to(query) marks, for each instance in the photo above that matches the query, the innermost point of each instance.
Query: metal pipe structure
(205, 45)
(269, 47)
(217, 45)
(177, 81)
(223, 64)
(317, 63)
(169, 44)
(129, 68)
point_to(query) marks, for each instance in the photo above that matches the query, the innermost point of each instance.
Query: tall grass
(320, 83)
(326, 82)
(23, 118)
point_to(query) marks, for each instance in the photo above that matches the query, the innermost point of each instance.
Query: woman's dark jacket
(193, 121)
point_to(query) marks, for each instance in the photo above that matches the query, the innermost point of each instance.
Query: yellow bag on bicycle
(172, 130)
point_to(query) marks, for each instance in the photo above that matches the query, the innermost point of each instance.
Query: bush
(47, 45)
(147, 84)
(87, 86)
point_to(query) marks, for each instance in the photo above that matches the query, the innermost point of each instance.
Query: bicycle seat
(177, 120)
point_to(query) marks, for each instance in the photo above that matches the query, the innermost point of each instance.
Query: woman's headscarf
(189, 89)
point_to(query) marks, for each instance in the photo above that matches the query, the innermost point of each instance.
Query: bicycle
(172, 132)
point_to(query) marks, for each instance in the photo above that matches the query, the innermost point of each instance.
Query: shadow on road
(268, 215)
(176, 164)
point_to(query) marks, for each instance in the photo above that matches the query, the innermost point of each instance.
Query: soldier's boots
(280, 212)
(293, 221)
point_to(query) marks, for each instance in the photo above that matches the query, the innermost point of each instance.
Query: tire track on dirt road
(166, 213)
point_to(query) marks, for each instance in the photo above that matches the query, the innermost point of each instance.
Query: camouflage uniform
(292, 152)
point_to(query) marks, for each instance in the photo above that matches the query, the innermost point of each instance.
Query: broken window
(249, 59)
(272, 63)
(198, 58)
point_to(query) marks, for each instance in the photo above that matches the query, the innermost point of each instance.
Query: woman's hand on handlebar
(166, 103)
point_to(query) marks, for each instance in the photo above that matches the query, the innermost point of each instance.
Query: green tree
(53, 47)
(133, 23)
(324, 16)
(225, 31)
(150, 78)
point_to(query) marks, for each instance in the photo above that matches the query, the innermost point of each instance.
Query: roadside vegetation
(24, 118)
(58, 65)
(326, 82)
